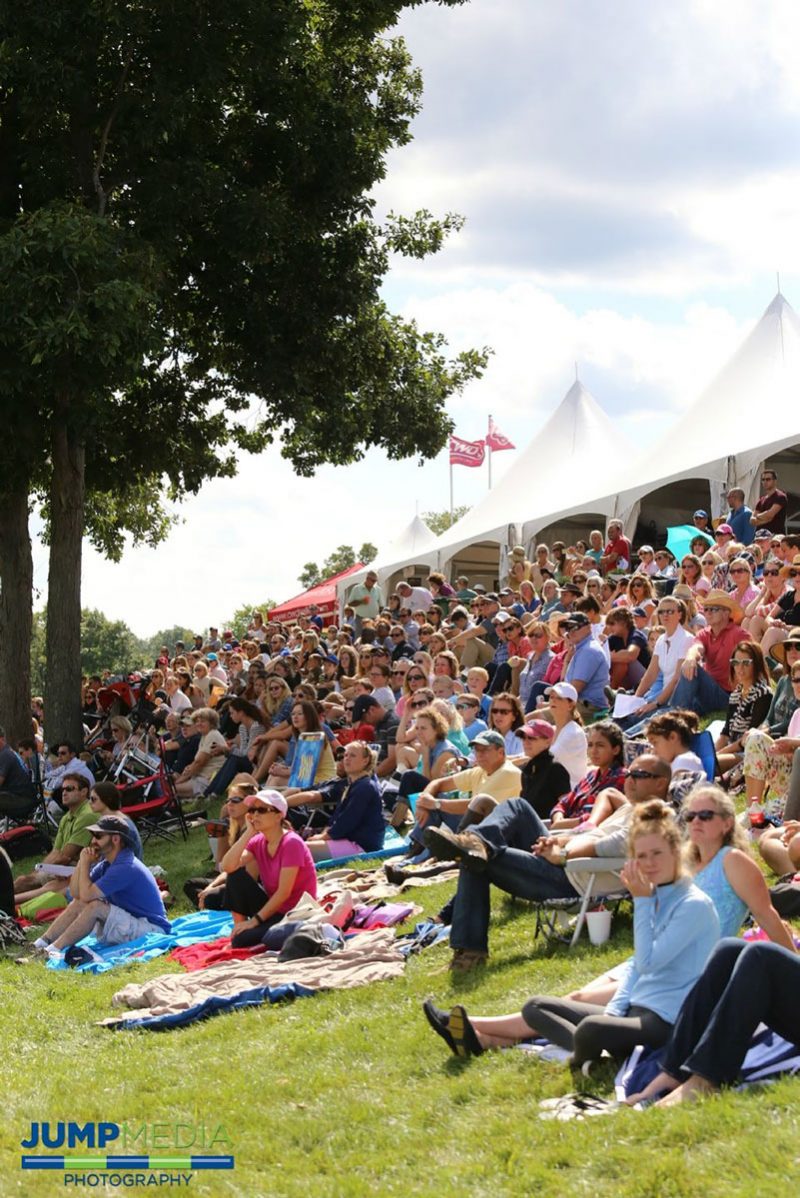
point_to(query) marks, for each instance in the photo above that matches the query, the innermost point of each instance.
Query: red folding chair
(158, 811)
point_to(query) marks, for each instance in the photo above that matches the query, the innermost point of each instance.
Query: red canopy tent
(323, 594)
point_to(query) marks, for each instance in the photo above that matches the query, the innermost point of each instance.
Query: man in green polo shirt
(71, 837)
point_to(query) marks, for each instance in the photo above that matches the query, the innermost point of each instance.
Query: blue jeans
(741, 986)
(701, 694)
(510, 831)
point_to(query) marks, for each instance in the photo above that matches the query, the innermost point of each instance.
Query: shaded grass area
(351, 1093)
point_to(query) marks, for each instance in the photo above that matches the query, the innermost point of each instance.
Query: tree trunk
(67, 497)
(16, 586)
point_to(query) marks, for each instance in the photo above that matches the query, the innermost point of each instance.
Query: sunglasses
(502, 711)
(793, 573)
(69, 790)
(420, 703)
(737, 570)
(264, 810)
(466, 706)
(771, 573)
(642, 774)
(415, 677)
(795, 678)
(704, 816)
(741, 661)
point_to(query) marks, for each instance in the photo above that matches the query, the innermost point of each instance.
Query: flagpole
(489, 451)
(451, 490)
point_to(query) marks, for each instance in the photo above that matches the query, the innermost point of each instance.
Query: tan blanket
(368, 957)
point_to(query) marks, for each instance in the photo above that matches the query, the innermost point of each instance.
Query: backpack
(25, 841)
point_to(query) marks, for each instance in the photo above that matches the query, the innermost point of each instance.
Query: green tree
(108, 645)
(439, 522)
(190, 267)
(242, 616)
(341, 559)
(151, 646)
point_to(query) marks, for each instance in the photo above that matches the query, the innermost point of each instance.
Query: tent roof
(323, 594)
(731, 419)
(408, 547)
(569, 453)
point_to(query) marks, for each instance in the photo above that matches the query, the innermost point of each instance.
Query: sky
(630, 178)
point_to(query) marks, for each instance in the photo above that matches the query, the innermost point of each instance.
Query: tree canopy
(439, 522)
(191, 267)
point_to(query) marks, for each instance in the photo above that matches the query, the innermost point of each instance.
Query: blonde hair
(724, 806)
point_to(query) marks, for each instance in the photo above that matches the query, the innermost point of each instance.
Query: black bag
(25, 841)
(786, 899)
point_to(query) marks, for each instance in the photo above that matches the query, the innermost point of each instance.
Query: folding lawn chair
(154, 805)
(590, 875)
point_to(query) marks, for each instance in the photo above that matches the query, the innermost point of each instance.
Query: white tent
(566, 460)
(411, 546)
(748, 413)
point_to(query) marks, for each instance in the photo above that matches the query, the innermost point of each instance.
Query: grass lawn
(350, 1093)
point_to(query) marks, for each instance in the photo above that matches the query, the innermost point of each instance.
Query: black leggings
(585, 1030)
(245, 895)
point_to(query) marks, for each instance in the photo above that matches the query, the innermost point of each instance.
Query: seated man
(67, 762)
(493, 775)
(16, 787)
(512, 849)
(384, 725)
(114, 895)
(588, 669)
(73, 835)
(195, 777)
(706, 683)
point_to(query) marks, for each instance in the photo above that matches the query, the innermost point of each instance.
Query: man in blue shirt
(739, 517)
(114, 896)
(588, 669)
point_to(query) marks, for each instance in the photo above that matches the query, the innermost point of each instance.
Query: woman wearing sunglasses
(415, 678)
(769, 750)
(719, 859)
(675, 929)
(772, 588)
(268, 869)
(748, 704)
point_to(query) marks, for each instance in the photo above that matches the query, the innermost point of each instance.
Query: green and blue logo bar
(127, 1162)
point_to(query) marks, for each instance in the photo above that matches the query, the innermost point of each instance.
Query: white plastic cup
(598, 924)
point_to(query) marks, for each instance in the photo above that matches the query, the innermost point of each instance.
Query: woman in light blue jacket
(675, 927)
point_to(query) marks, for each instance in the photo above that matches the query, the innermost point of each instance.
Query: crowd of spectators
(466, 716)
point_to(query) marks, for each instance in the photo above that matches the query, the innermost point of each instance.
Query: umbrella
(680, 537)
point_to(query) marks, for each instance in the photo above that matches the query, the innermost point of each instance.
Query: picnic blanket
(393, 845)
(175, 1000)
(187, 929)
(768, 1056)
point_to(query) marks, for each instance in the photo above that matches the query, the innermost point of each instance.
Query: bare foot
(693, 1088)
(660, 1083)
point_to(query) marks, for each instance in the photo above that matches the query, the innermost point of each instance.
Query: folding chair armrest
(595, 865)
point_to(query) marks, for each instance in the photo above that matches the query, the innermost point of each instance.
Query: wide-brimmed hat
(723, 599)
(794, 564)
(554, 622)
(779, 651)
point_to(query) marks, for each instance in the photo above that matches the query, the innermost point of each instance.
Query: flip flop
(463, 1034)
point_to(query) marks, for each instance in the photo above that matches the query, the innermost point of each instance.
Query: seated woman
(241, 751)
(719, 857)
(748, 704)
(640, 593)
(196, 776)
(664, 672)
(427, 754)
(675, 929)
(768, 753)
(506, 717)
(357, 825)
(742, 986)
(628, 649)
(671, 734)
(304, 718)
(691, 575)
(606, 750)
(527, 671)
(544, 780)
(773, 587)
(276, 705)
(208, 892)
(786, 613)
(106, 759)
(268, 869)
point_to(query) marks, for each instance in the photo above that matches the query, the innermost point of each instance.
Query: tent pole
(489, 456)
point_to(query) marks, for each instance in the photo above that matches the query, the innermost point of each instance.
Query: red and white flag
(497, 440)
(466, 453)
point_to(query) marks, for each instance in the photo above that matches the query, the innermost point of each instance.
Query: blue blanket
(216, 1005)
(187, 929)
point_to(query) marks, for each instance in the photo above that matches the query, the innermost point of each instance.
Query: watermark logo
(126, 1155)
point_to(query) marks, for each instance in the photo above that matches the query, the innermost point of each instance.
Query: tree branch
(102, 196)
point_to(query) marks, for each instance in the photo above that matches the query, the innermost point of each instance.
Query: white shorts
(120, 926)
